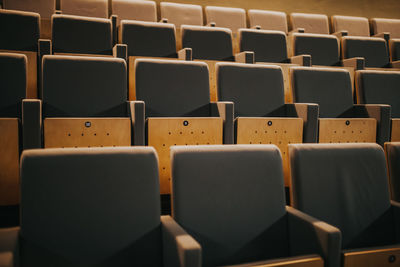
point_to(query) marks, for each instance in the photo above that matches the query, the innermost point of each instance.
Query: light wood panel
(166, 132)
(9, 161)
(303, 262)
(45, 28)
(87, 132)
(395, 134)
(353, 130)
(277, 131)
(389, 257)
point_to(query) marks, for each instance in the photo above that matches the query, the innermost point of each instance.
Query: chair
(392, 151)
(226, 17)
(87, 8)
(176, 109)
(353, 26)
(268, 20)
(394, 46)
(94, 207)
(181, 14)
(339, 119)
(390, 26)
(134, 10)
(243, 220)
(346, 185)
(381, 87)
(310, 23)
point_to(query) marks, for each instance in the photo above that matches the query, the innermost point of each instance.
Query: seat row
(101, 207)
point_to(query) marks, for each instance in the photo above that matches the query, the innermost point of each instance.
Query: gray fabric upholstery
(330, 88)
(224, 110)
(230, 198)
(19, 30)
(173, 88)
(311, 23)
(323, 48)
(210, 43)
(148, 38)
(45, 8)
(345, 185)
(32, 123)
(374, 50)
(395, 49)
(9, 240)
(256, 90)
(268, 46)
(82, 35)
(138, 122)
(355, 26)
(92, 207)
(396, 215)
(13, 84)
(84, 86)
(391, 26)
(379, 87)
(393, 162)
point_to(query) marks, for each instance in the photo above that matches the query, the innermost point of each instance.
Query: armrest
(9, 246)
(384, 35)
(302, 60)
(186, 54)
(121, 51)
(309, 114)
(58, 12)
(226, 112)
(256, 27)
(395, 64)
(32, 123)
(308, 235)
(211, 24)
(396, 217)
(245, 57)
(6, 259)
(137, 114)
(113, 19)
(163, 20)
(299, 30)
(358, 63)
(180, 249)
(340, 34)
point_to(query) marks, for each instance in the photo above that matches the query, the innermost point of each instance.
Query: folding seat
(134, 10)
(231, 200)
(392, 150)
(87, 8)
(268, 20)
(352, 26)
(261, 115)
(381, 87)
(309, 23)
(177, 109)
(94, 207)
(394, 46)
(346, 185)
(390, 26)
(339, 119)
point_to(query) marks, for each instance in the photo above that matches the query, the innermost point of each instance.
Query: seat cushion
(355, 26)
(134, 10)
(268, 20)
(45, 8)
(89, 8)
(393, 161)
(181, 14)
(391, 26)
(311, 23)
(226, 17)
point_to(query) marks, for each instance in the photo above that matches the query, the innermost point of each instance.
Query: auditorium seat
(339, 119)
(94, 207)
(89, 8)
(175, 109)
(268, 20)
(353, 26)
(390, 26)
(237, 212)
(311, 23)
(261, 115)
(392, 150)
(226, 17)
(181, 14)
(346, 185)
(394, 46)
(134, 10)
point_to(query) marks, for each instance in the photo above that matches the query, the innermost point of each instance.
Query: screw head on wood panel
(185, 123)
(88, 124)
(269, 123)
(392, 258)
(347, 122)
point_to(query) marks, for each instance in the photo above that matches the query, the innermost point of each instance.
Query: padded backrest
(323, 48)
(179, 14)
(84, 87)
(268, 46)
(386, 25)
(345, 185)
(330, 88)
(82, 35)
(355, 26)
(393, 163)
(373, 49)
(134, 10)
(173, 88)
(379, 87)
(148, 38)
(13, 84)
(93, 207)
(89, 8)
(394, 49)
(19, 30)
(231, 199)
(256, 90)
(311, 23)
(210, 43)
(268, 20)
(226, 17)
(45, 8)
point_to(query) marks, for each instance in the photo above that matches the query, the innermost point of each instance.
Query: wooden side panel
(87, 132)
(347, 130)
(395, 135)
(277, 131)
(304, 262)
(235, 43)
(213, 79)
(178, 37)
(45, 28)
(9, 162)
(371, 258)
(166, 132)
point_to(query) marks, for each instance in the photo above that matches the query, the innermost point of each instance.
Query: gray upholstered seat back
(380, 87)
(91, 207)
(395, 49)
(19, 30)
(355, 26)
(230, 198)
(84, 87)
(256, 90)
(393, 160)
(345, 185)
(330, 88)
(148, 38)
(13, 84)
(268, 46)
(323, 48)
(173, 88)
(374, 50)
(45, 8)
(210, 43)
(82, 35)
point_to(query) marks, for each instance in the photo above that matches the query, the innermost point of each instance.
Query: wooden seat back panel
(87, 132)
(395, 134)
(354, 130)
(166, 132)
(45, 28)
(370, 258)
